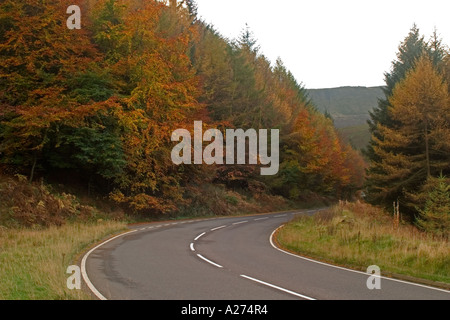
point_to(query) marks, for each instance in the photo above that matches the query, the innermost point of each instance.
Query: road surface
(225, 259)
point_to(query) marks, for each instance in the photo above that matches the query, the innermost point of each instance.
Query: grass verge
(33, 263)
(358, 235)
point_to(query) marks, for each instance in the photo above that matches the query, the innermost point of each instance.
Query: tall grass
(33, 263)
(358, 235)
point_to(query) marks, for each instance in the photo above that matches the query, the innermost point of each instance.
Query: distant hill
(349, 107)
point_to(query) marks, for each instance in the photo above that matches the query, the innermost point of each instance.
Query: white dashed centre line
(218, 228)
(236, 223)
(201, 235)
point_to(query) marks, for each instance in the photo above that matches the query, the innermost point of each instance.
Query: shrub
(24, 204)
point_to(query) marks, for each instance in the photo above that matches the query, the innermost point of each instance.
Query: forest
(97, 107)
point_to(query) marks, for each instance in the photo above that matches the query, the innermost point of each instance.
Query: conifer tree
(382, 123)
(411, 150)
(435, 216)
(408, 52)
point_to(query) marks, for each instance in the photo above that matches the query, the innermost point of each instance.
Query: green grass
(358, 236)
(33, 263)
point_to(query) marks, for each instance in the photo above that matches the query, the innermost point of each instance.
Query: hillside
(102, 109)
(349, 107)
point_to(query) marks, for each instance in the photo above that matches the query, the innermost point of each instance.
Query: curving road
(225, 259)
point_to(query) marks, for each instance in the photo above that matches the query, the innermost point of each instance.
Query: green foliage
(91, 87)
(435, 216)
(93, 150)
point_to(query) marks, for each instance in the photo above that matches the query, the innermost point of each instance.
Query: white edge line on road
(199, 236)
(278, 288)
(209, 261)
(83, 266)
(346, 269)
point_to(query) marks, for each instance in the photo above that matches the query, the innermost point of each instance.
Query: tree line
(409, 152)
(99, 104)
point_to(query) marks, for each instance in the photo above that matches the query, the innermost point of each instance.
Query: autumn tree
(146, 46)
(315, 159)
(410, 51)
(211, 58)
(415, 148)
(41, 61)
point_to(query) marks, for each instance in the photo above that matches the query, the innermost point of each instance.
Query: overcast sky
(330, 43)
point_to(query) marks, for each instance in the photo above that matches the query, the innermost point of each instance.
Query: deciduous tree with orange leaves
(99, 104)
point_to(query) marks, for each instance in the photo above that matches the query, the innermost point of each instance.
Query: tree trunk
(427, 149)
(33, 167)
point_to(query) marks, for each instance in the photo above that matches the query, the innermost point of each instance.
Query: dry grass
(33, 263)
(358, 235)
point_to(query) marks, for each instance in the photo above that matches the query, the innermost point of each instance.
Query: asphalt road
(225, 259)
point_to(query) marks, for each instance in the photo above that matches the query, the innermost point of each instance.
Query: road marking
(282, 215)
(346, 269)
(218, 228)
(236, 223)
(259, 219)
(209, 261)
(278, 288)
(198, 237)
(83, 266)
(192, 247)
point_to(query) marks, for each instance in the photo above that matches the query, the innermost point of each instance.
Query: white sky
(330, 43)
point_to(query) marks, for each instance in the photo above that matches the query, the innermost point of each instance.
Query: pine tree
(408, 52)
(382, 123)
(192, 8)
(247, 40)
(411, 150)
(435, 216)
